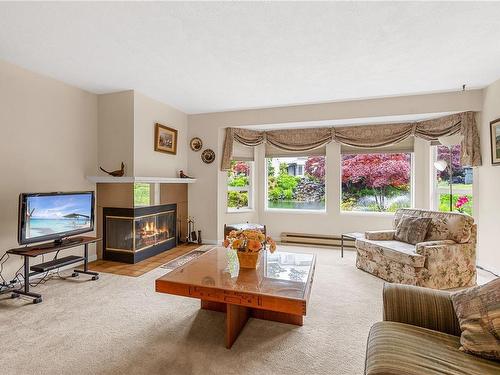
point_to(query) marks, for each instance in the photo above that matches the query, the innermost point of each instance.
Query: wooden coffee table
(277, 290)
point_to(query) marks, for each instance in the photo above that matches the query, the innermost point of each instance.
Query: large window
(296, 183)
(378, 182)
(239, 186)
(462, 179)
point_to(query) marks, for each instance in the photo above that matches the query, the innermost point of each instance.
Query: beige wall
(147, 161)
(116, 131)
(126, 133)
(207, 197)
(487, 190)
(48, 143)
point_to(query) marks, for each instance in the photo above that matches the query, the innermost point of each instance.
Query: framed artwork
(495, 141)
(165, 139)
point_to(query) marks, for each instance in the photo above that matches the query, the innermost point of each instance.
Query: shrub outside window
(239, 186)
(378, 182)
(296, 183)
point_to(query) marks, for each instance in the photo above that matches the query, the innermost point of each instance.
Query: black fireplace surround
(134, 234)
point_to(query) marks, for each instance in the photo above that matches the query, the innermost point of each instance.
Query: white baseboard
(490, 269)
(212, 242)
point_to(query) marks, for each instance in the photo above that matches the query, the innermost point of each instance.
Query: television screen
(46, 216)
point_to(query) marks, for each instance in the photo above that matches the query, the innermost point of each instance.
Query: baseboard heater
(333, 240)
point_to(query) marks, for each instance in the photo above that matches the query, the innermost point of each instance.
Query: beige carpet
(119, 325)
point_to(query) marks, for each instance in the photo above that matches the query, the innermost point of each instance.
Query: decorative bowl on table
(248, 245)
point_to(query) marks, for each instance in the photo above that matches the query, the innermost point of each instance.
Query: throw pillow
(412, 229)
(478, 312)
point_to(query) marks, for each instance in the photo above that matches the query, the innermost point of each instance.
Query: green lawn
(444, 203)
(444, 185)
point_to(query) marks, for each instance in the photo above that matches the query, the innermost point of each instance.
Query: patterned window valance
(365, 136)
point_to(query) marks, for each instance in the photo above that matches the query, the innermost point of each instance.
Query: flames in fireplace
(150, 230)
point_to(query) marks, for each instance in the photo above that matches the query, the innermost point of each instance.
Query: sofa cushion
(412, 229)
(381, 235)
(396, 251)
(402, 349)
(444, 225)
(478, 311)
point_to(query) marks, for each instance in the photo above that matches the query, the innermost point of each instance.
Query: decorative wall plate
(196, 144)
(208, 156)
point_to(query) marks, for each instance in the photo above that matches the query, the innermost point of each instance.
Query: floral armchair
(446, 259)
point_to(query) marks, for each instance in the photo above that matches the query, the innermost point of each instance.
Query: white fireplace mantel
(147, 180)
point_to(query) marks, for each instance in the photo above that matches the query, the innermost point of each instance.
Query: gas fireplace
(134, 234)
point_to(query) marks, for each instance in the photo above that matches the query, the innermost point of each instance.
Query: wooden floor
(141, 268)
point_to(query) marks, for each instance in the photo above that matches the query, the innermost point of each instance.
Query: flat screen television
(54, 216)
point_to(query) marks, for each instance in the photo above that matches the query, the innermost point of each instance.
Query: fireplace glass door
(141, 232)
(153, 229)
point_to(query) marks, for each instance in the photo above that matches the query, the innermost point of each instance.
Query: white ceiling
(207, 57)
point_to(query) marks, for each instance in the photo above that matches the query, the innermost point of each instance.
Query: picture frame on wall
(495, 141)
(165, 139)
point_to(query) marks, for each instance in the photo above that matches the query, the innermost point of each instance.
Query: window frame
(381, 213)
(150, 194)
(292, 210)
(249, 188)
(434, 199)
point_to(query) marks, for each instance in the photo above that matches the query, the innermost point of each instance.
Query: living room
(332, 129)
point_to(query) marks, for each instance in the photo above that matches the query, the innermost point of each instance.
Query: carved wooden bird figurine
(183, 175)
(117, 173)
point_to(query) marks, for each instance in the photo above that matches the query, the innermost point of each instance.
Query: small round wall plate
(208, 156)
(196, 144)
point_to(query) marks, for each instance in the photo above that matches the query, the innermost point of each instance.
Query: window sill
(366, 213)
(240, 211)
(294, 211)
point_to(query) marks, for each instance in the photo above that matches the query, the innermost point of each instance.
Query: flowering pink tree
(315, 167)
(240, 167)
(380, 175)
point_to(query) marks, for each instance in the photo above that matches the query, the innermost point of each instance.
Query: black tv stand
(52, 247)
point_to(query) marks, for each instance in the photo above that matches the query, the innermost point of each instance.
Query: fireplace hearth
(134, 234)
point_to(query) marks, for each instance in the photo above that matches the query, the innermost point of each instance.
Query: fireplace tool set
(192, 236)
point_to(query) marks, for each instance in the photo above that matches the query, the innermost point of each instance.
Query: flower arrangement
(248, 244)
(461, 202)
(248, 240)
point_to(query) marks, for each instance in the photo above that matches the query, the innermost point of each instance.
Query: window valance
(365, 136)
(406, 145)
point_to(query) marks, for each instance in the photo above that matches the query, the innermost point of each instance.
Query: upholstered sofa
(420, 335)
(446, 259)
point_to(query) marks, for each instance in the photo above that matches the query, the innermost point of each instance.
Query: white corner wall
(126, 133)
(48, 143)
(116, 131)
(488, 186)
(147, 161)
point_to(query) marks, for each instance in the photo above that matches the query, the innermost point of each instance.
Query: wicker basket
(249, 259)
